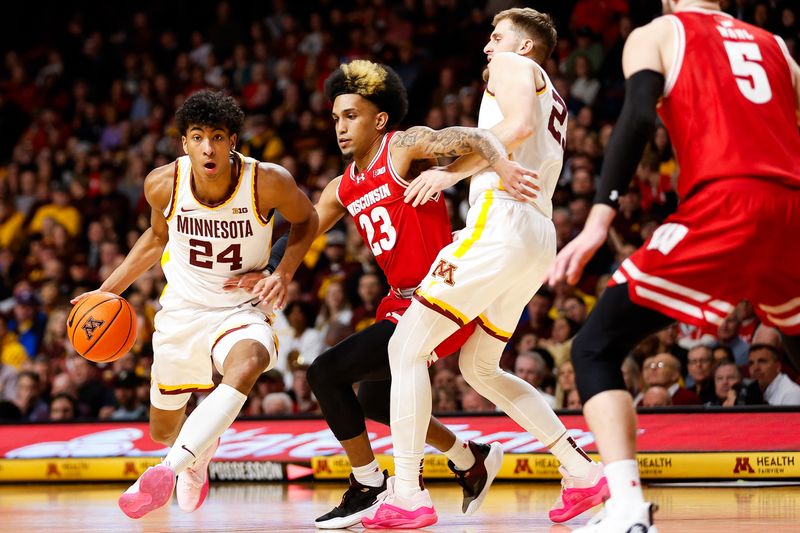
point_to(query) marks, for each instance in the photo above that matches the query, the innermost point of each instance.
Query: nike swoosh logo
(184, 210)
(188, 450)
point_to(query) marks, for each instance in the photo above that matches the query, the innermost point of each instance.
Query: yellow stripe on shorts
(479, 225)
(442, 308)
(499, 333)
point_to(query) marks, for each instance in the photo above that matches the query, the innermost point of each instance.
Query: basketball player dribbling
(728, 93)
(489, 274)
(211, 217)
(369, 101)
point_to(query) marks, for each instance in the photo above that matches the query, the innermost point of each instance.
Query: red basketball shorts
(392, 308)
(734, 239)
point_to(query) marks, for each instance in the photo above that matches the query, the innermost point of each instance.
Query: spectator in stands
(765, 368)
(531, 367)
(574, 400)
(656, 396)
(29, 397)
(12, 353)
(28, 323)
(701, 373)
(128, 406)
(538, 321)
(566, 383)
(62, 408)
(92, 396)
(728, 335)
(729, 389)
(304, 343)
(335, 314)
(277, 404)
(632, 374)
(472, 402)
(302, 398)
(370, 290)
(664, 370)
(721, 354)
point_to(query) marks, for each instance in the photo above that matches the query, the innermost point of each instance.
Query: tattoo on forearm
(452, 142)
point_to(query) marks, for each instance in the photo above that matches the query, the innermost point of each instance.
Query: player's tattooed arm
(420, 142)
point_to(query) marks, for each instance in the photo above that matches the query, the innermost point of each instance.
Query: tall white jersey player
(489, 274)
(543, 151)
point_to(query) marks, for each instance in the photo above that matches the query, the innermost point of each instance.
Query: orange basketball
(102, 327)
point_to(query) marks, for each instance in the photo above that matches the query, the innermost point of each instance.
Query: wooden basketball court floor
(265, 507)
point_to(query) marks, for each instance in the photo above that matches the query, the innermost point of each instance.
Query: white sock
(207, 422)
(571, 456)
(417, 334)
(624, 484)
(461, 455)
(369, 475)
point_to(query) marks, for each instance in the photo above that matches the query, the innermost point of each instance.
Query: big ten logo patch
(743, 465)
(446, 271)
(239, 210)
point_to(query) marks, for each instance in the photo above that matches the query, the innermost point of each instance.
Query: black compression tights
(361, 358)
(614, 327)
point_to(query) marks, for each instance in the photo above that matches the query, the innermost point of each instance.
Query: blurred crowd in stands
(86, 111)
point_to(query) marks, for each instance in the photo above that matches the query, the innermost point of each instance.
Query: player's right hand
(572, 259)
(245, 281)
(517, 180)
(272, 290)
(428, 183)
(80, 297)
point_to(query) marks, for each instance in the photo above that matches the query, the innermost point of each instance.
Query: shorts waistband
(403, 293)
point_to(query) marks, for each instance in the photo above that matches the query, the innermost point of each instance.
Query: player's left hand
(245, 281)
(428, 183)
(518, 181)
(272, 290)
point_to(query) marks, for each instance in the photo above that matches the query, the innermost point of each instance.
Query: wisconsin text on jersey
(217, 229)
(372, 197)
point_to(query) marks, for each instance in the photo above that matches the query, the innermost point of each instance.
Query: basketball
(102, 327)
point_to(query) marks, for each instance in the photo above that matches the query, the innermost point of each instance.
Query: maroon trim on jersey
(173, 200)
(262, 218)
(488, 91)
(173, 392)
(442, 311)
(237, 328)
(491, 333)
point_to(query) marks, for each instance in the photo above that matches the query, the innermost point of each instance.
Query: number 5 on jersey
(387, 235)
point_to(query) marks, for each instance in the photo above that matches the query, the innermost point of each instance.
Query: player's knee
(250, 359)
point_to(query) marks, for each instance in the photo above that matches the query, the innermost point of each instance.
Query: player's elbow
(521, 131)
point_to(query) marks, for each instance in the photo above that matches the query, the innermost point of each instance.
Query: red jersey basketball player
(368, 102)
(728, 94)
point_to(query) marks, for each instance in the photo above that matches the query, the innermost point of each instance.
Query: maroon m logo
(445, 270)
(743, 465)
(90, 326)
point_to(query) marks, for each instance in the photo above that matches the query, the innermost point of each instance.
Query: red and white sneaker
(192, 487)
(397, 512)
(151, 491)
(579, 494)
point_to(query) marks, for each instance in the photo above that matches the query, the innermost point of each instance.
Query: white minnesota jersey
(208, 245)
(543, 151)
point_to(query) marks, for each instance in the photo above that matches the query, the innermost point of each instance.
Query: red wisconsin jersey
(404, 239)
(729, 102)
